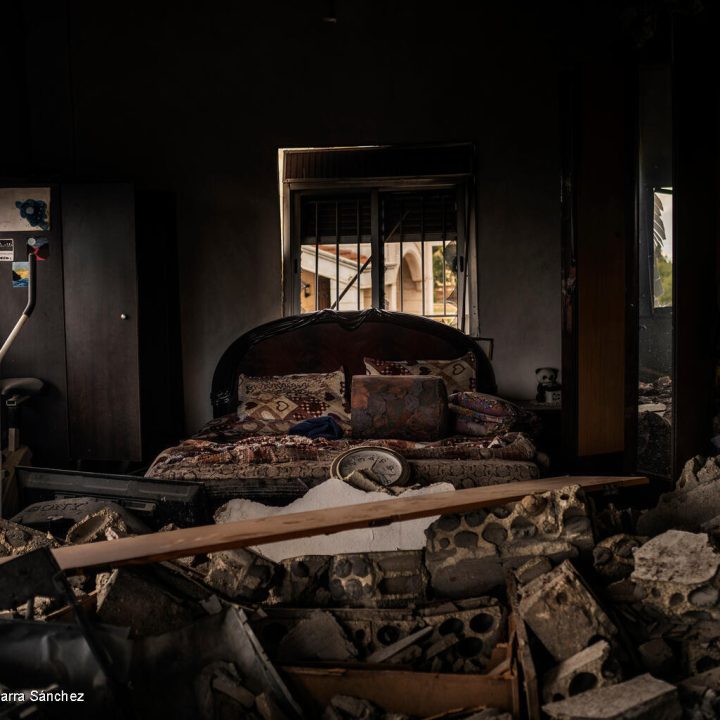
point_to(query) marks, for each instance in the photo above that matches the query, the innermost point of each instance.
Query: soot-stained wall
(196, 98)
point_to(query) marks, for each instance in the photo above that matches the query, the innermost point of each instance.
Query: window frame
(294, 191)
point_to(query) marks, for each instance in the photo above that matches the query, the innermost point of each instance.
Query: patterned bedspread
(220, 450)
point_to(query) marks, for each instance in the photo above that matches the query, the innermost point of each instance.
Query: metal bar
(422, 249)
(337, 254)
(462, 255)
(444, 238)
(378, 266)
(357, 219)
(317, 258)
(402, 278)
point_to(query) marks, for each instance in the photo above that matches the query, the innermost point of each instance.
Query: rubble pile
(620, 625)
(655, 419)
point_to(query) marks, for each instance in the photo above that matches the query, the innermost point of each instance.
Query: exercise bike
(13, 393)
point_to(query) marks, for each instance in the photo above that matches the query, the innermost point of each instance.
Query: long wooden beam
(243, 533)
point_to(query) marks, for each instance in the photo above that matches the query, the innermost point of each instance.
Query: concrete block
(467, 555)
(318, 636)
(130, 599)
(613, 557)
(695, 501)
(657, 656)
(17, 539)
(591, 668)
(642, 698)
(701, 648)
(304, 582)
(531, 569)
(390, 579)
(676, 574)
(103, 524)
(241, 574)
(563, 613)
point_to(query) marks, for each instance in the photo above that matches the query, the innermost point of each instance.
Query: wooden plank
(524, 656)
(402, 691)
(244, 533)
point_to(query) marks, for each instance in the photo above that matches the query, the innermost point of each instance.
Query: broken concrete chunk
(676, 574)
(656, 656)
(642, 698)
(531, 569)
(701, 648)
(241, 574)
(317, 637)
(613, 557)
(130, 599)
(695, 501)
(345, 707)
(103, 524)
(16, 539)
(563, 613)
(469, 554)
(59, 514)
(304, 582)
(591, 668)
(688, 477)
(388, 579)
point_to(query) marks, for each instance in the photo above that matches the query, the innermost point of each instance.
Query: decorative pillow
(480, 415)
(458, 374)
(411, 408)
(486, 404)
(277, 402)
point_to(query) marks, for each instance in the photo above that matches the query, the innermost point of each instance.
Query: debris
(473, 626)
(103, 524)
(130, 598)
(613, 556)
(591, 668)
(695, 501)
(409, 535)
(469, 554)
(57, 516)
(16, 539)
(656, 656)
(316, 637)
(642, 698)
(531, 569)
(388, 579)
(701, 647)
(344, 707)
(676, 573)
(391, 650)
(304, 582)
(241, 574)
(562, 612)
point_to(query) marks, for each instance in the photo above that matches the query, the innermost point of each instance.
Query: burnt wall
(196, 98)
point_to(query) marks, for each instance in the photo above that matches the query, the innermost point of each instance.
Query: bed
(232, 462)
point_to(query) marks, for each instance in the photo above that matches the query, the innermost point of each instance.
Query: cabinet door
(101, 322)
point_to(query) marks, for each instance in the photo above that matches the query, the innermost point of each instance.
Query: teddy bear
(548, 389)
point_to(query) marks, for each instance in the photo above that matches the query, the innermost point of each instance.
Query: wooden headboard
(326, 340)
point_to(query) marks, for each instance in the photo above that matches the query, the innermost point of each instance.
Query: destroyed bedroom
(360, 360)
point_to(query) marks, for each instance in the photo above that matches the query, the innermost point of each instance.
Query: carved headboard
(325, 340)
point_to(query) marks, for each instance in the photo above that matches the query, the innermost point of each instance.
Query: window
(396, 243)
(662, 248)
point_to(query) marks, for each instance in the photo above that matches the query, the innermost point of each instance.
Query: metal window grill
(412, 268)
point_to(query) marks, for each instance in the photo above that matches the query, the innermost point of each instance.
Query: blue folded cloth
(319, 427)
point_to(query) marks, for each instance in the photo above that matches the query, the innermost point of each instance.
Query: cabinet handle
(123, 316)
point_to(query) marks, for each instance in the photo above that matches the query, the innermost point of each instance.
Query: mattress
(279, 468)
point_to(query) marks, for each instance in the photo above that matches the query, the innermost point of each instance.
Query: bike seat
(20, 386)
